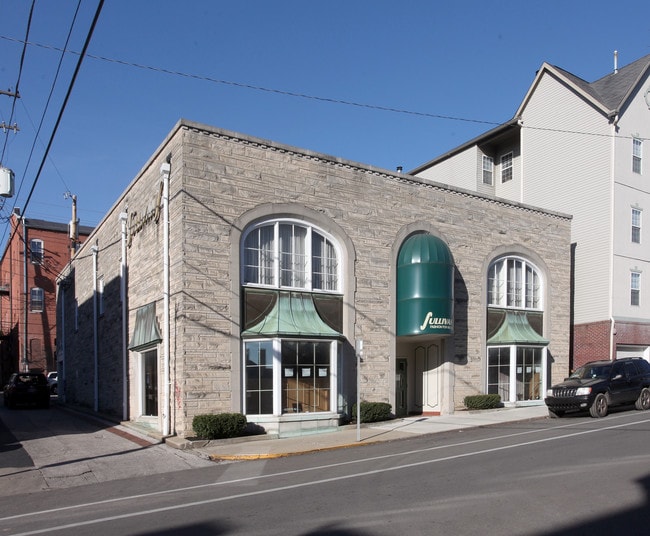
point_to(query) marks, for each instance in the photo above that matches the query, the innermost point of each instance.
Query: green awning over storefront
(293, 314)
(146, 332)
(515, 329)
(425, 287)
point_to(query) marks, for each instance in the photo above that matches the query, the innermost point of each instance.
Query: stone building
(240, 274)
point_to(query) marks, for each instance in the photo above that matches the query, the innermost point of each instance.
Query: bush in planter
(373, 412)
(219, 425)
(482, 401)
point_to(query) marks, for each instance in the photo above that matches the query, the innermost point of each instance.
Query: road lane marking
(292, 486)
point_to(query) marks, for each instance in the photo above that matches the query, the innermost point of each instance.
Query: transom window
(514, 282)
(506, 167)
(290, 254)
(636, 226)
(488, 169)
(637, 153)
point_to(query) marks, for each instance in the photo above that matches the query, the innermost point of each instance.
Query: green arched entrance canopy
(425, 287)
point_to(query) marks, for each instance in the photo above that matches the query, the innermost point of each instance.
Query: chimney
(615, 61)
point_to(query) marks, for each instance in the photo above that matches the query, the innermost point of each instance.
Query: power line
(63, 106)
(20, 71)
(263, 88)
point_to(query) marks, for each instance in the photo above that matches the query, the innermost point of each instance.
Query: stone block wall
(220, 183)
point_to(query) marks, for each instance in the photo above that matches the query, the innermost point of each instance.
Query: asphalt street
(72, 449)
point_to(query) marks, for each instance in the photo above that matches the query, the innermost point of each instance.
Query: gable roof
(608, 94)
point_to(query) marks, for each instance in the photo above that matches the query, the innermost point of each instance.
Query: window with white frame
(635, 288)
(514, 282)
(636, 226)
(488, 170)
(297, 373)
(637, 154)
(506, 167)
(515, 366)
(36, 300)
(36, 251)
(288, 254)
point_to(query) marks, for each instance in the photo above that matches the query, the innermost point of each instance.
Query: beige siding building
(579, 147)
(240, 274)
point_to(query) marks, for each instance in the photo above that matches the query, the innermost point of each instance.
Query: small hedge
(219, 425)
(373, 412)
(482, 401)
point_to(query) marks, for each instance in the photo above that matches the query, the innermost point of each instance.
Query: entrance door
(401, 400)
(150, 383)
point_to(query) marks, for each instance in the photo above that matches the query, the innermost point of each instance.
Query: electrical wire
(47, 103)
(62, 109)
(20, 71)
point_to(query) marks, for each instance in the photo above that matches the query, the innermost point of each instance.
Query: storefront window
(291, 298)
(259, 377)
(305, 376)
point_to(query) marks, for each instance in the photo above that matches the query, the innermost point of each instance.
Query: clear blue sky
(459, 67)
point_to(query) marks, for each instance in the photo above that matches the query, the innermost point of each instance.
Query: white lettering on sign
(433, 322)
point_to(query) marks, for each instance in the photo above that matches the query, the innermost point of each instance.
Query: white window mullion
(276, 254)
(333, 375)
(277, 377)
(308, 259)
(513, 374)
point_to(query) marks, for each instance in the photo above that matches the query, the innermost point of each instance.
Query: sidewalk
(261, 447)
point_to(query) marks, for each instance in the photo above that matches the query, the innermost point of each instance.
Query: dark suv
(600, 384)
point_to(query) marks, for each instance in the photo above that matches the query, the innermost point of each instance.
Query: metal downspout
(61, 373)
(165, 170)
(95, 249)
(612, 179)
(26, 301)
(125, 364)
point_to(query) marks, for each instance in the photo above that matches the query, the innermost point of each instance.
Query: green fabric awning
(515, 329)
(146, 332)
(293, 314)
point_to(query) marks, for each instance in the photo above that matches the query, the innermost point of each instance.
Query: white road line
(301, 485)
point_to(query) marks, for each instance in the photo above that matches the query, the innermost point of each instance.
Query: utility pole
(73, 229)
(3, 125)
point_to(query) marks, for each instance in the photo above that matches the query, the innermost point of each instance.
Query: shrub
(482, 401)
(219, 425)
(373, 412)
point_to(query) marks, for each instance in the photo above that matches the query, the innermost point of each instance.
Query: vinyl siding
(460, 170)
(566, 168)
(631, 190)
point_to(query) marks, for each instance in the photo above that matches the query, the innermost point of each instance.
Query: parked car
(53, 382)
(27, 388)
(600, 384)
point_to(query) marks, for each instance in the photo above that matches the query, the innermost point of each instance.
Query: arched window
(514, 282)
(290, 254)
(516, 347)
(291, 319)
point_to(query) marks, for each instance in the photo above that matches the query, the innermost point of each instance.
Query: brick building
(240, 274)
(35, 253)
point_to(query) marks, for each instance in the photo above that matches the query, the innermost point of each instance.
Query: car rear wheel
(599, 407)
(643, 402)
(555, 413)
